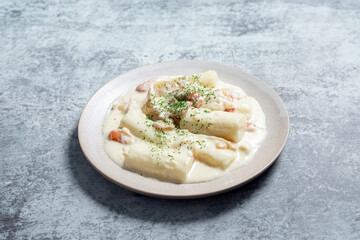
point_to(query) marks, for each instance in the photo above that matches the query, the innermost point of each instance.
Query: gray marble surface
(56, 54)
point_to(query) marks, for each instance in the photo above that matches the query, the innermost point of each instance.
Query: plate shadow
(125, 202)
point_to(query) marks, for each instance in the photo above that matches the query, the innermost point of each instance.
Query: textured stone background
(56, 54)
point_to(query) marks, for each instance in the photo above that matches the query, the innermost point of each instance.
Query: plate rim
(186, 196)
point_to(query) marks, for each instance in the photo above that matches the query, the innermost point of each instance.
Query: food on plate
(184, 129)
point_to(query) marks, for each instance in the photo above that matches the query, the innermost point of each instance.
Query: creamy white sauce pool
(200, 171)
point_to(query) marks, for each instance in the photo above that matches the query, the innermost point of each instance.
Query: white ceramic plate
(93, 115)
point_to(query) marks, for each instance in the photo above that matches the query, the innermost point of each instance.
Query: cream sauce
(200, 171)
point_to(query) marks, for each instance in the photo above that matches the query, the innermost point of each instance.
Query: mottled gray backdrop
(55, 54)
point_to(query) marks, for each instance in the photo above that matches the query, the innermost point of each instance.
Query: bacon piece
(163, 126)
(196, 98)
(121, 136)
(115, 135)
(145, 86)
(229, 109)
